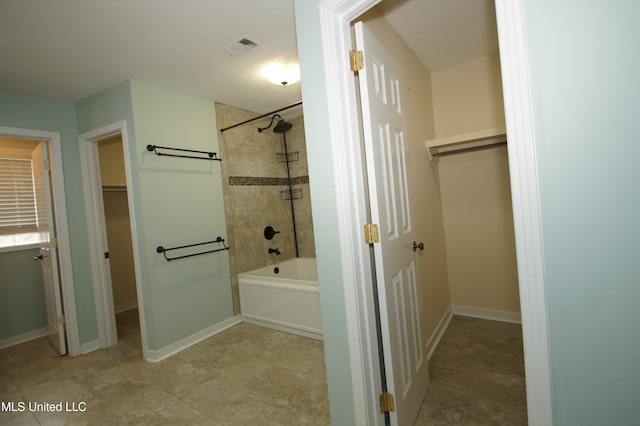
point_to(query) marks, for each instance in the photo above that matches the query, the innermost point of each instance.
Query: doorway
(335, 18)
(59, 286)
(106, 181)
(118, 223)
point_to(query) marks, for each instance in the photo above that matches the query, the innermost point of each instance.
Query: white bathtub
(287, 301)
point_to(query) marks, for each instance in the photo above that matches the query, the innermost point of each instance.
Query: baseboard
(489, 314)
(91, 346)
(125, 307)
(24, 337)
(434, 340)
(311, 333)
(180, 345)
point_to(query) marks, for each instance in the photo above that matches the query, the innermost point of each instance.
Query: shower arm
(273, 117)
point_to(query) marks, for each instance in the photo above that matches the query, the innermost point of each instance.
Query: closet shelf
(472, 141)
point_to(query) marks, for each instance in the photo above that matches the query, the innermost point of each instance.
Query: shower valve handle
(269, 232)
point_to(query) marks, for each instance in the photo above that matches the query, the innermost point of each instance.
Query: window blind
(17, 200)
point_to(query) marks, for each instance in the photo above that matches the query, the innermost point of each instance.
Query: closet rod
(470, 149)
(260, 116)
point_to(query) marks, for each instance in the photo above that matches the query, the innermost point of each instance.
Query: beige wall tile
(250, 208)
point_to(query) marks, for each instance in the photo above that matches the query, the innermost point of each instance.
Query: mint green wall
(176, 202)
(22, 307)
(104, 108)
(325, 220)
(36, 113)
(584, 64)
(180, 202)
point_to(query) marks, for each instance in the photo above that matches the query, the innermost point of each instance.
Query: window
(18, 218)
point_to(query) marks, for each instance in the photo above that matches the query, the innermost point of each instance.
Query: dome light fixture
(281, 74)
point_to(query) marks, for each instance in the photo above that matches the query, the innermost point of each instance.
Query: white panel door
(48, 252)
(385, 149)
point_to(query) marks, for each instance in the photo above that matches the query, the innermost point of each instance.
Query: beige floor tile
(157, 407)
(175, 375)
(250, 375)
(18, 419)
(275, 415)
(225, 401)
(477, 376)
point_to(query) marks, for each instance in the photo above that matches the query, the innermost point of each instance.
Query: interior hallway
(250, 375)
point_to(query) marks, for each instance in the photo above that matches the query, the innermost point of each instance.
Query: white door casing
(59, 204)
(96, 228)
(385, 150)
(48, 257)
(98, 246)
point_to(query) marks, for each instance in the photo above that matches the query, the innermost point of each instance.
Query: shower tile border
(266, 181)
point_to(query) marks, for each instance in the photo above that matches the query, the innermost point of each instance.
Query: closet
(470, 149)
(118, 224)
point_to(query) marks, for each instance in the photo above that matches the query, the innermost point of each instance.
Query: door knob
(38, 257)
(418, 246)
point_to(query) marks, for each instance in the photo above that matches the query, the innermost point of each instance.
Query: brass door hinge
(371, 234)
(61, 320)
(387, 403)
(53, 243)
(356, 60)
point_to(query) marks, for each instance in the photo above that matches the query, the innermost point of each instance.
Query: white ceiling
(443, 33)
(70, 49)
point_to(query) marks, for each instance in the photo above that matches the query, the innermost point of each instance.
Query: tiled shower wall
(255, 185)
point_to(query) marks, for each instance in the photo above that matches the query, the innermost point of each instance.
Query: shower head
(282, 126)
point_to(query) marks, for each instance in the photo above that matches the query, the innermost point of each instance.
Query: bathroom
(268, 213)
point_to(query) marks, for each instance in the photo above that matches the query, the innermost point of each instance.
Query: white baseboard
(489, 314)
(180, 345)
(125, 307)
(24, 337)
(466, 311)
(434, 340)
(260, 322)
(91, 346)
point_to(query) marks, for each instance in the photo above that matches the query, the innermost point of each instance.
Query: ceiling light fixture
(281, 74)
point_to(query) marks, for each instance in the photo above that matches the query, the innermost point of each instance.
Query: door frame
(59, 201)
(97, 231)
(335, 23)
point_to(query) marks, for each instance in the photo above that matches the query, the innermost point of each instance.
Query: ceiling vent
(241, 45)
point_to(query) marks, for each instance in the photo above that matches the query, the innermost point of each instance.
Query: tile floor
(245, 375)
(249, 375)
(477, 376)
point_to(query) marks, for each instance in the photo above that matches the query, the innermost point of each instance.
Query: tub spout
(274, 250)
